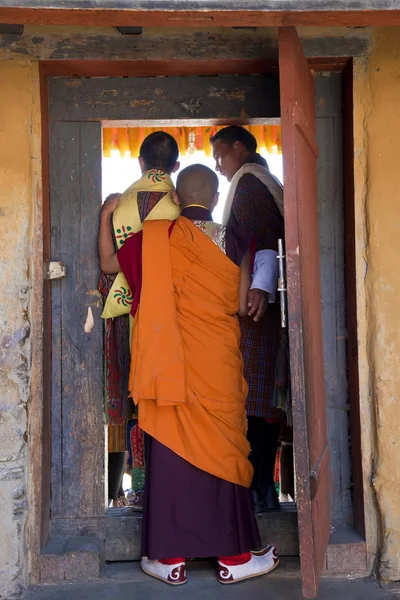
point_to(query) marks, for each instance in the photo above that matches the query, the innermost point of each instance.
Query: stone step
(77, 558)
(78, 547)
(82, 558)
(124, 572)
(347, 553)
(123, 532)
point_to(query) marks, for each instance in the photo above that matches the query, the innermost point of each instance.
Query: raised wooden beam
(46, 43)
(200, 13)
(153, 68)
(193, 5)
(168, 68)
(217, 98)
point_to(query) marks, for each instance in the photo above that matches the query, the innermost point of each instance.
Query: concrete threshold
(126, 580)
(197, 570)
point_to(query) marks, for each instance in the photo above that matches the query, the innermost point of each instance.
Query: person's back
(255, 201)
(187, 380)
(206, 285)
(148, 198)
(185, 351)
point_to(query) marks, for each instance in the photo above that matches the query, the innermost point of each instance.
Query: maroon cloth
(130, 261)
(188, 512)
(254, 209)
(130, 254)
(116, 339)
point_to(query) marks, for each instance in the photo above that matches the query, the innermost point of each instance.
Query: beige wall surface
(377, 152)
(19, 166)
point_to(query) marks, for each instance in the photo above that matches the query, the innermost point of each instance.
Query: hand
(257, 301)
(110, 204)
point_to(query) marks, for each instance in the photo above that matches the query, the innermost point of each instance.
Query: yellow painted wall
(19, 169)
(377, 156)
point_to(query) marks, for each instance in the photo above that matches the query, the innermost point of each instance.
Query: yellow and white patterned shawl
(128, 219)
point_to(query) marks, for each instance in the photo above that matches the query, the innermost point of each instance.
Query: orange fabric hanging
(183, 140)
(207, 147)
(107, 141)
(186, 368)
(130, 139)
(256, 131)
(135, 136)
(278, 133)
(123, 143)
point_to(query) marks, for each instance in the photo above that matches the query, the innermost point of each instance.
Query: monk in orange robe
(190, 277)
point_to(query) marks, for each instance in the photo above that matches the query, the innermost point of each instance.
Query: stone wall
(19, 158)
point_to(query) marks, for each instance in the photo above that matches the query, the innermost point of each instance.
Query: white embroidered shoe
(261, 563)
(172, 574)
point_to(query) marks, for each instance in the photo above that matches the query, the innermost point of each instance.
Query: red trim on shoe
(171, 561)
(233, 561)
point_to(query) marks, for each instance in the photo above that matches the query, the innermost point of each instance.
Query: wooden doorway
(75, 130)
(77, 111)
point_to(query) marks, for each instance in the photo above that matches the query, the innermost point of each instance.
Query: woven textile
(254, 208)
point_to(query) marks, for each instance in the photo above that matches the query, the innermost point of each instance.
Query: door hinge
(55, 270)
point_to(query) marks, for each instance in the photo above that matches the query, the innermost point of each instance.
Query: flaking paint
(19, 160)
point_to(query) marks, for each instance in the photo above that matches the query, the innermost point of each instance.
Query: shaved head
(197, 184)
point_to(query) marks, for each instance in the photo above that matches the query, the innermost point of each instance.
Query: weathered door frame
(39, 448)
(77, 110)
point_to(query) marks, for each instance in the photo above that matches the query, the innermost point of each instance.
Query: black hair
(159, 151)
(235, 133)
(259, 160)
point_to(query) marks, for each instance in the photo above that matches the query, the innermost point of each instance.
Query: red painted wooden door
(300, 154)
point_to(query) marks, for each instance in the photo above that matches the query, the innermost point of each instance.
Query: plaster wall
(377, 148)
(19, 163)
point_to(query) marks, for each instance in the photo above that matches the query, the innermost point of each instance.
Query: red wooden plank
(170, 68)
(196, 18)
(153, 68)
(304, 303)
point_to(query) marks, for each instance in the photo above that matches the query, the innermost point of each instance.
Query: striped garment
(253, 207)
(119, 408)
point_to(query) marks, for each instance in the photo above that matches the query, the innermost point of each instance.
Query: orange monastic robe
(186, 371)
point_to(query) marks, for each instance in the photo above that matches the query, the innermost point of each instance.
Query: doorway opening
(120, 143)
(120, 168)
(76, 120)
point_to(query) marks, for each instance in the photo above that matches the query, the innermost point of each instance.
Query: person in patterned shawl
(255, 201)
(189, 278)
(148, 198)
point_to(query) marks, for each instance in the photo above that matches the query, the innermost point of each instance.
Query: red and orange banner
(128, 140)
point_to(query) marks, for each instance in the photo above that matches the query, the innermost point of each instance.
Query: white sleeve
(265, 273)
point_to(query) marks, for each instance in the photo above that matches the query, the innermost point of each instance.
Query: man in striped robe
(255, 201)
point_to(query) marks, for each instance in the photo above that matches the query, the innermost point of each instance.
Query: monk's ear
(175, 198)
(176, 167)
(215, 201)
(142, 165)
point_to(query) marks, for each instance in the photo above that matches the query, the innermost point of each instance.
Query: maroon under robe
(188, 512)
